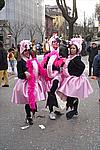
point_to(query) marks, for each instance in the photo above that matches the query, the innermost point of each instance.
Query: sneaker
(29, 121)
(52, 116)
(5, 85)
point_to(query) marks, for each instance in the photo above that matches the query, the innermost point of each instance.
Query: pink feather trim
(48, 55)
(58, 62)
(42, 71)
(31, 85)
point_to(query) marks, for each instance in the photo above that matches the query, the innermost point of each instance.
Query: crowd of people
(58, 78)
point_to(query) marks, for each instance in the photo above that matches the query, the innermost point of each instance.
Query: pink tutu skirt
(76, 87)
(20, 92)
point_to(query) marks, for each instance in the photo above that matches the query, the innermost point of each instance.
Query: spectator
(96, 70)
(11, 58)
(39, 47)
(88, 41)
(93, 51)
(3, 65)
(46, 46)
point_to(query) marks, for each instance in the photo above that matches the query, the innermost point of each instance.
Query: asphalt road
(80, 133)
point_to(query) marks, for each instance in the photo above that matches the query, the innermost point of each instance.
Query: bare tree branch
(41, 29)
(16, 30)
(62, 4)
(32, 31)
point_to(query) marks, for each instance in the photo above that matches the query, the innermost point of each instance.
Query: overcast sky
(87, 6)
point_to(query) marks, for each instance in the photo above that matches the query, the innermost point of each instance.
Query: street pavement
(80, 133)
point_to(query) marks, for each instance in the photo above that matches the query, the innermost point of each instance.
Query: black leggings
(76, 104)
(72, 102)
(29, 110)
(52, 101)
(54, 86)
(90, 68)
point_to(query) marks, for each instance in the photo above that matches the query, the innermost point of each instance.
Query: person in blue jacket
(96, 70)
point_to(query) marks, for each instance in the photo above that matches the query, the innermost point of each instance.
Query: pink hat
(24, 44)
(75, 43)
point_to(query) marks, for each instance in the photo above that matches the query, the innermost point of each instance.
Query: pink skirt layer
(20, 92)
(76, 87)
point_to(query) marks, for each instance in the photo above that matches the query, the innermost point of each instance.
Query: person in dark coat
(3, 65)
(96, 70)
(93, 51)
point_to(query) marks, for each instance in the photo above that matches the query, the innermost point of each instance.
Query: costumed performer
(75, 84)
(25, 90)
(53, 63)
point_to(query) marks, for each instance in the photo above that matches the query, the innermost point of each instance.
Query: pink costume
(38, 75)
(74, 86)
(29, 91)
(19, 95)
(52, 74)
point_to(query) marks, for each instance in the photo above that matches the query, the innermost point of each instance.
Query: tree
(97, 10)
(16, 30)
(71, 19)
(32, 31)
(41, 29)
(2, 4)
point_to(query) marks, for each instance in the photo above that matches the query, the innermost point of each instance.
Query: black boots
(72, 102)
(70, 114)
(29, 114)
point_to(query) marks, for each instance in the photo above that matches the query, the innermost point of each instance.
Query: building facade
(49, 25)
(59, 23)
(23, 12)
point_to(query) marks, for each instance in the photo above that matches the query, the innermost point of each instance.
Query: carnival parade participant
(3, 65)
(54, 42)
(75, 85)
(36, 83)
(79, 40)
(26, 89)
(52, 62)
(93, 51)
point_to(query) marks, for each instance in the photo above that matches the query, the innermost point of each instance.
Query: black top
(92, 53)
(21, 68)
(76, 66)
